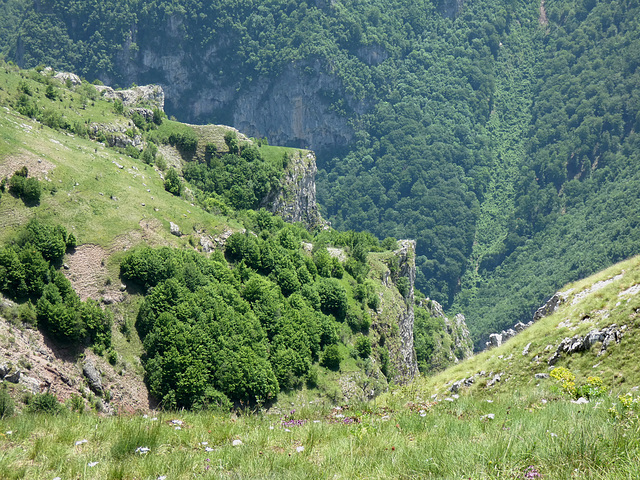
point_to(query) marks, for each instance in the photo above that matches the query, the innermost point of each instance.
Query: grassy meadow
(534, 435)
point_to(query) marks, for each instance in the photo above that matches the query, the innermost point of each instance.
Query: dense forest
(502, 137)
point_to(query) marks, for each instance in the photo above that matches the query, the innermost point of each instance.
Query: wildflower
(142, 450)
(80, 442)
(208, 449)
(57, 478)
(92, 464)
(9, 432)
(532, 472)
(162, 477)
(204, 443)
(423, 413)
(287, 430)
(300, 449)
(236, 443)
(489, 416)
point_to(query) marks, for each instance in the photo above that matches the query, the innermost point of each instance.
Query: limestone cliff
(292, 108)
(295, 198)
(407, 263)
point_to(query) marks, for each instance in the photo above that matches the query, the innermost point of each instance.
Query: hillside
(143, 247)
(502, 136)
(519, 418)
(592, 331)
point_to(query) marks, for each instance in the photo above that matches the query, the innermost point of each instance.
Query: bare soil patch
(45, 366)
(38, 167)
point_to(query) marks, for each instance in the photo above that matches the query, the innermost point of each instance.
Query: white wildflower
(142, 450)
(92, 464)
(208, 449)
(300, 449)
(236, 443)
(80, 442)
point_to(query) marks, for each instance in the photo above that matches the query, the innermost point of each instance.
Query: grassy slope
(520, 428)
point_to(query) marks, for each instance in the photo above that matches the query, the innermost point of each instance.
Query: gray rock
(13, 377)
(518, 327)
(541, 375)
(495, 339)
(31, 384)
(497, 377)
(526, 349)
(175, 229)
(93, 376)
(72, 77)
(549, 307)
(4, 370)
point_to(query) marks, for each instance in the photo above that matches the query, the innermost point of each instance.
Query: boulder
(93, 376)
(175, 229)
(495, 339)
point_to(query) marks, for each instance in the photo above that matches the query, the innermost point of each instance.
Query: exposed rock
(13, 377)
(495, 340)
(4, 370)
(549, 307)
(541, 375)
(407, 266)
(205, 243)
(72, 77)
(31, 384)
(93, 376)
(496, 378)
(525, 351)
(175, 229)
(295, 199)
(518, 327)
(145, 113)
(152, 95)
(578, 343)
(338, 253)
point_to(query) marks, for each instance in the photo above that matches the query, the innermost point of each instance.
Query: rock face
(295, 199)
(291, 108)
(152, 95)
(407, 262)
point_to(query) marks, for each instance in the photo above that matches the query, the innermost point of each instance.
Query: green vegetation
(504, 140)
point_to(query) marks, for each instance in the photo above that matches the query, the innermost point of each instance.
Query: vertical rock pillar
(407, 262)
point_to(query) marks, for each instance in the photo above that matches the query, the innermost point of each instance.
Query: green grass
(421, 440)
(86, 178)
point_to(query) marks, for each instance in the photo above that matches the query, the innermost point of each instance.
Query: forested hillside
(503, 137)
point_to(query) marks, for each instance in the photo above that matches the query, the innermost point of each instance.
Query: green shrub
(331, 358)
(45, 403)
(363, 346)
(172, 182)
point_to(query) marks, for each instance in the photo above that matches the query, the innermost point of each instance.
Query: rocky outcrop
(550, 306)
(407, 265)
(295, 198)
(607, 336)
(151, 95)
(456, 329)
